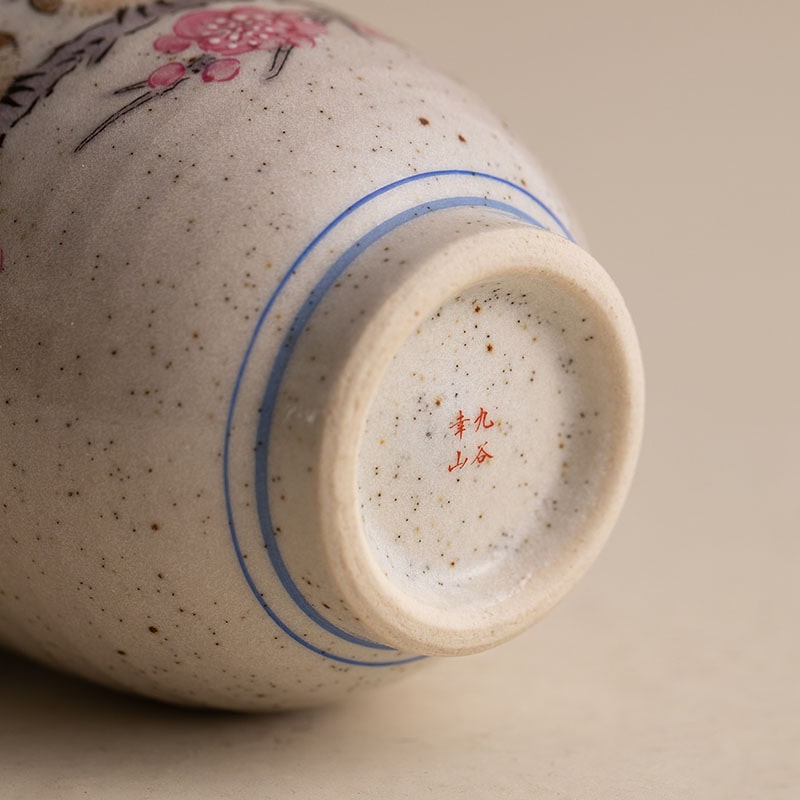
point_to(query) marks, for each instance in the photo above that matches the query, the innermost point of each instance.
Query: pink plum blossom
(224, 69)
(171, 44)
(241, 30)
(166, 75)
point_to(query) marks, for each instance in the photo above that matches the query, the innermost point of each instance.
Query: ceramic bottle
(305, 375)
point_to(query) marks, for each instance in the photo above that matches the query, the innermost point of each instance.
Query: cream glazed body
(303, 376)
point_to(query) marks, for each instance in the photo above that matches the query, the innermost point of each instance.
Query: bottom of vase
(497, 445)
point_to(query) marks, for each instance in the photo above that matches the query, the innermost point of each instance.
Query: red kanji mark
(460, 425)
(483, 421)
(460, 463)
(483, 454)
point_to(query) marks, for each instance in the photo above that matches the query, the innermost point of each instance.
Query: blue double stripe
(281, 363)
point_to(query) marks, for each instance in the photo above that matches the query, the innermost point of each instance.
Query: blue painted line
(283, 357)
(281, 363)
(299, 639)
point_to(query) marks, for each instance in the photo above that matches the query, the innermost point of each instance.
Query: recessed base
(485, 443)
(499, 438)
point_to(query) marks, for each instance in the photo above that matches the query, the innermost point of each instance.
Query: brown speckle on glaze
(137, 273)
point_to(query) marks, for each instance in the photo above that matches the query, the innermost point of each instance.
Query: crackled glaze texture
(299, 364)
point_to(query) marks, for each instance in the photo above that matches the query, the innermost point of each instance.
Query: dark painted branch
(195, 66)
(90, 47)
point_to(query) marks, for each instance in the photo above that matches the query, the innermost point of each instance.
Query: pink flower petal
(196, 23)
(171, 44)
(166, 75)
(224, 69)
(225, 44)
(244, 29)
(246, 13)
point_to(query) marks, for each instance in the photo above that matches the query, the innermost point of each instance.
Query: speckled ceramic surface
(304, 377)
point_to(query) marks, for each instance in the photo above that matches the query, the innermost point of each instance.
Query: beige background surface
(673, 671)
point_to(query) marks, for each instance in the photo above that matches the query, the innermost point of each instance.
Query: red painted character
(483, 421)
(460, 425)
(483, 454)
(460, 463)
